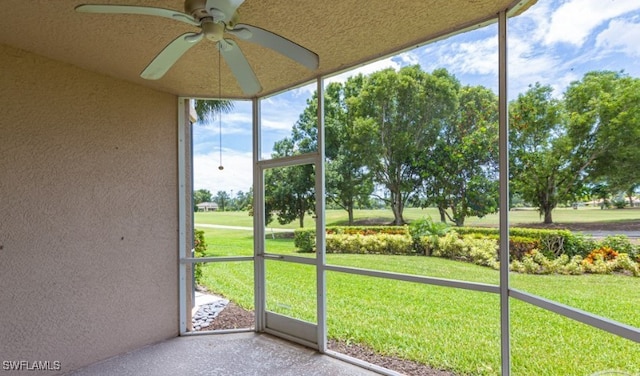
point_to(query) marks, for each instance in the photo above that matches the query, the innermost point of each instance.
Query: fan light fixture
(214, 18)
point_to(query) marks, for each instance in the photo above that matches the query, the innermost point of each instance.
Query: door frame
(308, 334)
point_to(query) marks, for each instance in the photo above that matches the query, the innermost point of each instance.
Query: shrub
(449, 246)
(552, 243)
(520, 245)
(483, 252)
(598, 265)
(579, 245)
(624, 262)
(199, 249)
(387, 244)
(426, 227)
(603, 253)
(535, 262)
(475, 250)
(605, 260)
(620, 203)
(621, 244)
(304, 240)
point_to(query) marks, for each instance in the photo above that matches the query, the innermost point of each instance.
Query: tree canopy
(410, 137)
(590, 136)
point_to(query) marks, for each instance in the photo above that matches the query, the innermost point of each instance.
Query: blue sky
(554, 43)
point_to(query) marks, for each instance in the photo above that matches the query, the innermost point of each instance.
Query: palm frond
(209, 108)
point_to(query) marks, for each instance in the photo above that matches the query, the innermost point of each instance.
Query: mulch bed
(232, 317)
(235, 317)
(403, 366)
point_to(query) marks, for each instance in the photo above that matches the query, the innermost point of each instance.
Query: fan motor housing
(213, 30)
(196, 8)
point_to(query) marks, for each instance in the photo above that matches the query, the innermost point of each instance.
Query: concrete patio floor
(224, 354)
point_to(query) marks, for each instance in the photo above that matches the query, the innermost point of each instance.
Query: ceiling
(343, 33)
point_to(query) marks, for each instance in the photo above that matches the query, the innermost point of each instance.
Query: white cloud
(533, 25)
(622, 35)
(528, 64)
(236, 122)
(477, 57)
(409, 58)
(575, 20)
(237, 173)
(279, 113)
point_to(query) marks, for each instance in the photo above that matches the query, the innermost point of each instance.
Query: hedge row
(551, 243)
(368, 230)
(305, 239)
(531, 251)
(381, 243)
(371, 240)
(484, 251)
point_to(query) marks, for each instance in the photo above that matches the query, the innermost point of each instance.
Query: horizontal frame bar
(287, 258)
(196, 260)
(610, 326)
(291, 338)
(474, 286)
(294, 160)
(297, 328)
(219, 331)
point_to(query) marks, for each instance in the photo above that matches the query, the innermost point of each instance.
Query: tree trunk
(547, 216)
(301, 210)
(396, 207)
(458, 219)
(350, 211)
(443, 214)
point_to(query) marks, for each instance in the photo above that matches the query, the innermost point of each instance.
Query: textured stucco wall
(88, 213)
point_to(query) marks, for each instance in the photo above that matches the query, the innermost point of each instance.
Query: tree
(347, 181)
(460, 173)
(222, 199)
(243, 200)
(289, 191)
(403, 111)
(559, 147)
(540, 153)
(604, 110)
(201, 195)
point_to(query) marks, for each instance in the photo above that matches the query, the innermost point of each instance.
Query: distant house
(207, 206)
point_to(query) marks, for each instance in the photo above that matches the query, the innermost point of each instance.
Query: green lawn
(443, 327)
(338, 217)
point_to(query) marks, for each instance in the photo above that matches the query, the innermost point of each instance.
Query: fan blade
(165, 59)
(227, 7)
(277, 43)
(129, 9)
(239, 66)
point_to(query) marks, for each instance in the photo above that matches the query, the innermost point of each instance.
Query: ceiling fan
(214, 18)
